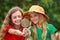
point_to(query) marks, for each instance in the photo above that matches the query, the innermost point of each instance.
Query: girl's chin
(17, 24)
(35, 23)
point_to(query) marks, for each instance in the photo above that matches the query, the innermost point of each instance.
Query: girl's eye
(14, 17)
(31, 16)
(18, 16)
(35, 15)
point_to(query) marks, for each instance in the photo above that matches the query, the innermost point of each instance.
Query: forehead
(16, 13)
(33, 13)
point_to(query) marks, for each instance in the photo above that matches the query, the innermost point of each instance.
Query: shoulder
(51, 28)
(30, 29)
(9, 26)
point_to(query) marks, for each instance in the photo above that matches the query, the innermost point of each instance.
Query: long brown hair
(41, 23)
(8, 20)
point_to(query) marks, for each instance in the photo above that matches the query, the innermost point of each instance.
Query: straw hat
(38, 9)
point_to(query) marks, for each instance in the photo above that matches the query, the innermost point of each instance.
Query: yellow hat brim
(26, 15)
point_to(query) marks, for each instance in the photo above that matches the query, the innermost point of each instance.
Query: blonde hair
(42, 23)
(8, 21)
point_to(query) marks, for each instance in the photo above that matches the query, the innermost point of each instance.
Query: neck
(17, 26)
(39, 25)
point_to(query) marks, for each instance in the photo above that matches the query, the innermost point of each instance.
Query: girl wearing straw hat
(40, 29)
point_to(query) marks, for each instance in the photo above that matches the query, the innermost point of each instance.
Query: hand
(26, 32)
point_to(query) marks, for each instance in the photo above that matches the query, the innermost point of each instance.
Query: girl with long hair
(40, 28)
(11, 28)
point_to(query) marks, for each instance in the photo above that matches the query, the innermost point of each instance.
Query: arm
(53, 31)
(53, 36)
(14, 31)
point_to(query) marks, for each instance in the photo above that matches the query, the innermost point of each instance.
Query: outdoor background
(52, 8)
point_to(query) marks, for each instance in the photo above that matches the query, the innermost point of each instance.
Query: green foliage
(52, 8)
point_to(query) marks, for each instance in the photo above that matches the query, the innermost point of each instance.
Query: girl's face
(16, 17)
(34, 18)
